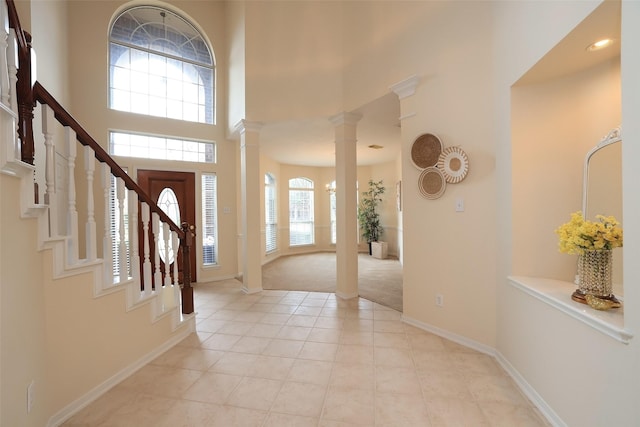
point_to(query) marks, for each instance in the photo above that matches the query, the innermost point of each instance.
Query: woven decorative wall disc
(432, 183)
(426, 150)
(454, 164)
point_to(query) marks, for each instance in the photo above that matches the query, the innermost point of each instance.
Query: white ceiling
(311, 142)
(570, 55)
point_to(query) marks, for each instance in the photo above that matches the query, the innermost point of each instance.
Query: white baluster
(12, 65)
(72, 212)
(146, 264)
(107, 240)
(89, 167)
(4, 65)
(166, 236)
(157, 275)
(133, 235)
(122, 245)
(48, 123)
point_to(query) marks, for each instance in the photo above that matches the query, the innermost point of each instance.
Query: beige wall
(88, 55)
(448, 46)
(22, 314)
(572, 114)
(549, 349)
(321, 176)
(23, 350)
(235, 26)
(293, 59)
(465, 96)
(92, 339)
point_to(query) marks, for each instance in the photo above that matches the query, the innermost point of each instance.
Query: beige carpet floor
(379, 280)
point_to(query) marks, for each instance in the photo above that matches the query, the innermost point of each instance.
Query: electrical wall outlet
(439, 300)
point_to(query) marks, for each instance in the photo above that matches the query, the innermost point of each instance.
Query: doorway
(175, 193)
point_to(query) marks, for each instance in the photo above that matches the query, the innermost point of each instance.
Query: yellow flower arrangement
(580, 235)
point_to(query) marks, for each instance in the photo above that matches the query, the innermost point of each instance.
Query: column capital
(345, 118)
(245, 125)
(406, 87)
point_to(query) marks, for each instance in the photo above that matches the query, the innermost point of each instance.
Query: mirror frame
(611, 138)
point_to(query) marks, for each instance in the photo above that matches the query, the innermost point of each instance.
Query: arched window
(160, 65)
(270, 213)
(301, 225)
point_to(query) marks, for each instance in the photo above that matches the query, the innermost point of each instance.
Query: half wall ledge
(557, 293)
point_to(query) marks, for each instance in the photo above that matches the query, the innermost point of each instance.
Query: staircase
(109, 307)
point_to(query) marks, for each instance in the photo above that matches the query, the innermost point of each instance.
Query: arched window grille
(160, 65)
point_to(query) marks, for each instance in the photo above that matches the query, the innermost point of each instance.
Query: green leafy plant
(368, 216)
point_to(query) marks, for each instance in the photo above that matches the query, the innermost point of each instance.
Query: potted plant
(594, 242)
(368, 216)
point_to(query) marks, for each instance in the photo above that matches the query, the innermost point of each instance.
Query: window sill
(557, 294)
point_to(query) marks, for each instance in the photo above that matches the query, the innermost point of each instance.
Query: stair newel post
(133, 233)
(175, 244)
(107, 241)
(48, 124)
(123, 272)
(166, 237)
(72, 212)
(146, 264)
(90, 227)
(25, 101)
(187, 290)
(157, 275)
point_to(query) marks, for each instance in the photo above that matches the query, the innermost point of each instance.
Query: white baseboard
(451, 336)
(74, 407)
(530, 392)
(524, 386)
(345, 295)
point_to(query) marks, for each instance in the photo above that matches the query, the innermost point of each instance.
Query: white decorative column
(405, 90)
(250, 186)
(346, 208)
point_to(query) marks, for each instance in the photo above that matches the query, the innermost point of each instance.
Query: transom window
(161, 148)
(301, 224)
(160, 65)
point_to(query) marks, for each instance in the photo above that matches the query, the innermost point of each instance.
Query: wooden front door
(182, 184)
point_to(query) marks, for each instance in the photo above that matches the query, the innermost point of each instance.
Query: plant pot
(594, 276)
(379, 250)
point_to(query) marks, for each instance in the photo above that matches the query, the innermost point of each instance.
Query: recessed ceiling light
(600, 44)
(376, 146)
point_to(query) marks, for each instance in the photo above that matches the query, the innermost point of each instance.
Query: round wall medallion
(425, 150)
(454, 164)
(432, 183)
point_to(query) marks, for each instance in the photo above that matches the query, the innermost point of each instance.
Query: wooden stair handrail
(41, 95)
(29, 92)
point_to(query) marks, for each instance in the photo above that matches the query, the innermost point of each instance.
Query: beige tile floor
(290, 358)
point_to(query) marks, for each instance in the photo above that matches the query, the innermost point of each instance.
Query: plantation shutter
(271, 222)
(209, 219)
